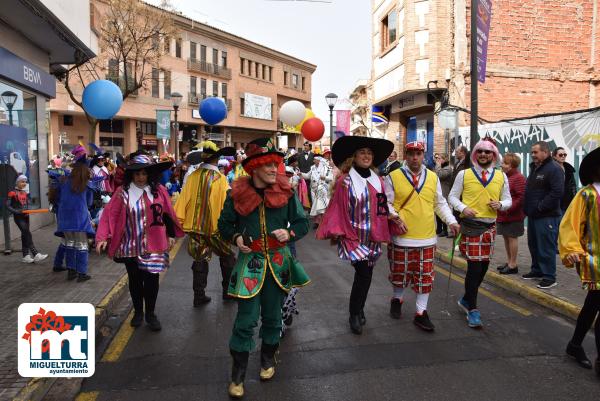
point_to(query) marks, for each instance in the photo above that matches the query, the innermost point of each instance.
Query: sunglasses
(562, 155)
(487, 152)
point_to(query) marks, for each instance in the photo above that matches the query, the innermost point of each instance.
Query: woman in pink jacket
(139, 227)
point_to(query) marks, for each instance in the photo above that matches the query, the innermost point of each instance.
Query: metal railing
(209, 68)
(194, 99)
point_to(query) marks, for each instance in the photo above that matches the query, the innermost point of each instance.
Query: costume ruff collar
(209, 166)
(359, 183)
(135, 193)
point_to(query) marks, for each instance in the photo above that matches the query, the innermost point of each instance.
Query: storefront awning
(34, 21)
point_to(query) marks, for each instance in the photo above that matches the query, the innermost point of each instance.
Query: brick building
(542, 58)
(201, 61)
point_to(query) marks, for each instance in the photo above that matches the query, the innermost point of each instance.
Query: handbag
(473, 228)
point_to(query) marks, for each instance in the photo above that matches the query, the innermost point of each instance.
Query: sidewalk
(566, 298)
(37, 282)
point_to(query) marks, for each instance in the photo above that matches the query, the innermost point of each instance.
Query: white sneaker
(27, 259)
(39, 257)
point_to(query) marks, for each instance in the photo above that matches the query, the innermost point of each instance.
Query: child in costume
(357, 216)
(579, 246)
(139, 227)
(261, 214)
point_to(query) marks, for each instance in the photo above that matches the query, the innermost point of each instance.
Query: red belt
(272, 243)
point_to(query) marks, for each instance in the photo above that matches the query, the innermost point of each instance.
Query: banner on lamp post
(484, 17)
(342, 118)
(163, 124)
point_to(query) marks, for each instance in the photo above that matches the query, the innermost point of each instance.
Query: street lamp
(176, 101)
(9, 98)
(331, 100)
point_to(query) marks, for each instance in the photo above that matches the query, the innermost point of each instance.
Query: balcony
(209, 68)
(194, 99)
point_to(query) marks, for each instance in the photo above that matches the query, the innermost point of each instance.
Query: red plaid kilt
(412, 267)
(479, 248)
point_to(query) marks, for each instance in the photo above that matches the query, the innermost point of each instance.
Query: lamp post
(176, 101)
(331, 100)
(9, 98)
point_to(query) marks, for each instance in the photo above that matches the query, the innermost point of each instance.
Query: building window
(242, 106)
(295, 80)
(256, 67)
(224, 90)
(193, 85)
(114, 126)
(147, 128)
(202, 87)
(242, 65)
(193, 51)
(249, 68)
(155, 83)
(215, 59)
(303, 83)
(224, 59)
(203, 53)
(285, 78)
(178, 48)
(167, 45)
(215, 88)
(270, 74)
(68, 120)
(264, 72)
(389, 30)
(167, 84)
(113, 70)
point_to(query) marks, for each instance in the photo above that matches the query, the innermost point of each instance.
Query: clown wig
(485, 144)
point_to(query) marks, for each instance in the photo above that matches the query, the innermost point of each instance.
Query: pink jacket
(114, 219)
(336, 221)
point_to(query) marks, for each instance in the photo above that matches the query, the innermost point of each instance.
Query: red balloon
(313, 129)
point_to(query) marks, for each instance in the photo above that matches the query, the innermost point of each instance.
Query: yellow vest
(419, 212)
(477, 196)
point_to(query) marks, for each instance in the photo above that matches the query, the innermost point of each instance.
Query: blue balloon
(213, 110)
(102, 99)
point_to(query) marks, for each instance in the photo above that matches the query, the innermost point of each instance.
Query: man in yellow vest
(478, 193)
(198, 209)
(415, 196)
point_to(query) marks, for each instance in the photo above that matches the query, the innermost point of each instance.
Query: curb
(37, 387)
(541, 298)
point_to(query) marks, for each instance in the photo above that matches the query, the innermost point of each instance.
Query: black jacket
(544, 190)
(570, 186)
(304, 164)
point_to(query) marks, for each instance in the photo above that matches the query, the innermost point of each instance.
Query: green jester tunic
(256, 215)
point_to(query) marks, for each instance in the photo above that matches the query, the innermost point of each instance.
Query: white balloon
(292, 112)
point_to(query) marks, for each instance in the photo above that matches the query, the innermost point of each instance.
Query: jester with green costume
(260, 216)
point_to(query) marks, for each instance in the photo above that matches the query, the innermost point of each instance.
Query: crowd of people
(358, 195)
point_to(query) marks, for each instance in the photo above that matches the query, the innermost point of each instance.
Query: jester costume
(261, 278)
(578, 235)
(198, 208)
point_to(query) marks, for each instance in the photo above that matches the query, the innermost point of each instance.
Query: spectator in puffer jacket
(545, 187)
(560, 155)
(510, 222)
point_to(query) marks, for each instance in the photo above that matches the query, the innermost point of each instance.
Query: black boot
(238, 373)
(71, 274)
(226, 263)
(355, 325)
(396, 308)
(83, 277)
(137, 319)
(267, 361)
(153, 322)
(362, 317)
(577, 352)
(199, 280)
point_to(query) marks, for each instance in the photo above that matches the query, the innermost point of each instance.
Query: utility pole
(474, 77)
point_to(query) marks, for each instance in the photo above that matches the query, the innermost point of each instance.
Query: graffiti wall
(578, 133)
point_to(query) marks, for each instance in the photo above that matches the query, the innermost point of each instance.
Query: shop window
(19, 137)
(114, 126)
(67, 120)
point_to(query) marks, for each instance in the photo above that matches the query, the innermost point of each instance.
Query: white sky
(335, 37)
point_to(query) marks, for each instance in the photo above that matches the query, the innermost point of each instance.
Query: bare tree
(132, 38)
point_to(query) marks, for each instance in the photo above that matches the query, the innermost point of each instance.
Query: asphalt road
(518, 355)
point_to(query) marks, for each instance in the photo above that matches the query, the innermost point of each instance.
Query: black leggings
(22, 221)
(363, 273)
(475, 274)
(143, 286)
(591, 309)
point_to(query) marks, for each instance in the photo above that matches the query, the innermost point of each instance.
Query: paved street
(518, 355)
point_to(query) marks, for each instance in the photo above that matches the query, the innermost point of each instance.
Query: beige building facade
(201, 61)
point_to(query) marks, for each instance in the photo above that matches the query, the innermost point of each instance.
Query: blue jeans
(542, 239)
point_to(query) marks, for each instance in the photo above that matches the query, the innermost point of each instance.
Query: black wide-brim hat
(200, 156)
(260, 147)
(589, 166)
(346, 146)
(145, 162)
